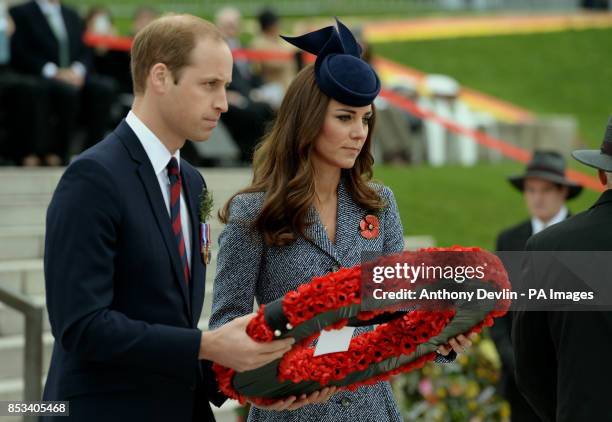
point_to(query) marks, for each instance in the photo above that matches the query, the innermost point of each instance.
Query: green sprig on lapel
(206, 204)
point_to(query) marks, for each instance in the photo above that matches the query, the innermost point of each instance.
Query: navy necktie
(175, 212)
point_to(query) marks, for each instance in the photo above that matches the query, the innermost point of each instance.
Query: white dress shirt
(538, 225)
(160, 156)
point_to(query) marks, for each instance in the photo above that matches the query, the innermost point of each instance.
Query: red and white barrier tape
(506, 149)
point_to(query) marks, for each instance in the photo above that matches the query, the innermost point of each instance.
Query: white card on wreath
(334, 341)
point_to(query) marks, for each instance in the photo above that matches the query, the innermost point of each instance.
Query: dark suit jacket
(123, 317)
(514, 238)
(33, 43)
(511, 239)
(556, 353)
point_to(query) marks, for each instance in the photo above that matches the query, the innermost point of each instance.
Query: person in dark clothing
(546, 191)
(556, 353)
(246, 117)
(48, 43)
(23, 120)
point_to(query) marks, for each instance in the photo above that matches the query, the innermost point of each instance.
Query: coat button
(346, 402)
(335, 268)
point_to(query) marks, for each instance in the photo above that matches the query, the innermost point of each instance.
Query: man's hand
(69, 76)
(230, 346)
(293, 403)
(458, 344)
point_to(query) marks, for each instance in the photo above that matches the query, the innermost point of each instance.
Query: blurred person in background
(399, 133)
(48, 43)
(24, 119)
(247, 113)
(99, 21)
(280, 72)
(112, 63)
(545, 192)
(143, 15)
(443, 146)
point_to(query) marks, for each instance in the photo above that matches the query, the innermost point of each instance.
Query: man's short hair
(169, 39)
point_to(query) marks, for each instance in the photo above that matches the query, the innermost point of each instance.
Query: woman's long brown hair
(283, 170)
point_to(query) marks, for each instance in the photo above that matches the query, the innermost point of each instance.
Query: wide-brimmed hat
(550, 166)
(599, 158)
(340, 71)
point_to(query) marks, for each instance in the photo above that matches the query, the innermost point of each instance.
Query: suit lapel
(198, 273)
(348, 216)
(41, 22)
(315, 234)
(156, 202)
(347, 223)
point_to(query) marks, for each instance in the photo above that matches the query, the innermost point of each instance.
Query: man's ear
(158, 77)
(603, 178)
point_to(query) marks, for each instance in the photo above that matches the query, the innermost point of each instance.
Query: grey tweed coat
(247, 269)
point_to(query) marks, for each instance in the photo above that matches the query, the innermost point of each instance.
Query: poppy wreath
(401, 342)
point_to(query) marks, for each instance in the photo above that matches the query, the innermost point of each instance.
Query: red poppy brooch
(369, 226)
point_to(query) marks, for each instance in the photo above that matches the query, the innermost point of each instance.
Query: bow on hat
(339, 70)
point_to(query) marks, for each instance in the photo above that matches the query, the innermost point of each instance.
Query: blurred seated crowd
(61, 96)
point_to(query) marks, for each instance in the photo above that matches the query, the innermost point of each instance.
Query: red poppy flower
(369, 226)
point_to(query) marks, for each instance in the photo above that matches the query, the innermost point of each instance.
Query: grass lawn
(567, 72)
(459, 205)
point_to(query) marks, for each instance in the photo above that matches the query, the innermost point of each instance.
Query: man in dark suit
(545, 191)
(123, 270)
(48, 43)
(246, 118)
(22, 117)
(557, 368)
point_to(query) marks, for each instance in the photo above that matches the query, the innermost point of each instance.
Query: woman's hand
(458, 344)
(293, 402)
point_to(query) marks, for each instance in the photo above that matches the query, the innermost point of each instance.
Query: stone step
(23, 275)
(18, 181)
(11, 354)
(11, 349)
(32, 183)
(25, 194)
(412, 243)
(26, 276)
(22, 214)
(12, 389)
(22, 242)
(12, 322)
(28, 241)
(11, 371)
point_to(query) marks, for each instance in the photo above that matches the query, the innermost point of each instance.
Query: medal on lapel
(206, 206)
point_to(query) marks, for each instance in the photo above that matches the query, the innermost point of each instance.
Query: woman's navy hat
(339, 70)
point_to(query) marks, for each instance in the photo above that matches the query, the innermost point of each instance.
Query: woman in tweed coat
(300, 219)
